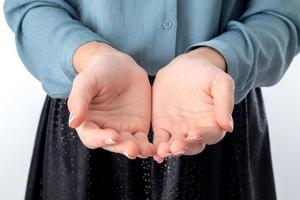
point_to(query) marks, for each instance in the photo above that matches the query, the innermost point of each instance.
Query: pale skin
(112, 102)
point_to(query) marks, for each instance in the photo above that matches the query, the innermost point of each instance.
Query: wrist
(87, 53)
(211, 55)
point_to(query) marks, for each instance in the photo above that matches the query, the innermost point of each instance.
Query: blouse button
(167, 23)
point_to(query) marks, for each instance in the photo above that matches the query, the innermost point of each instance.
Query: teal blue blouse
(258, 38)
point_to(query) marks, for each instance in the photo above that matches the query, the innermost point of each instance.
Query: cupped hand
(192, 103)
(110, 101)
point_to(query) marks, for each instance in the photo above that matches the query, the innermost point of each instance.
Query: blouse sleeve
(260, 45)
(47, 34)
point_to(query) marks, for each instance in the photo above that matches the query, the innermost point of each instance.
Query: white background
(21, 100)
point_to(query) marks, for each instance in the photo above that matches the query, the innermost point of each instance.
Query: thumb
(83, 90)
(223, 94)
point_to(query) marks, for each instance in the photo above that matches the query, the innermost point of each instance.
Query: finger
(223, 95)
(127, 146)
(196, 134)
(145, 147)
(195, 139)
(158, 159)
(195, 148)
(83, 90)
(161, 143)
(94, 137)
(178, 144)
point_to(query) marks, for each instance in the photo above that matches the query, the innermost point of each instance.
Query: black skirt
(239, 167)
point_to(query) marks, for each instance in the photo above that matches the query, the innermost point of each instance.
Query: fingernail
(71, 117)
(160, 161)
(231, 122)
(194, 137)
(178, 153)
(126, 154)
(110, 141)
(140, 156)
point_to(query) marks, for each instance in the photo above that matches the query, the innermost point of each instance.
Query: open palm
(111, 106)
(192, 106)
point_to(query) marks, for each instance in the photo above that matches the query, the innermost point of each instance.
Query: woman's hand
(193, 99)
(110, 101)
